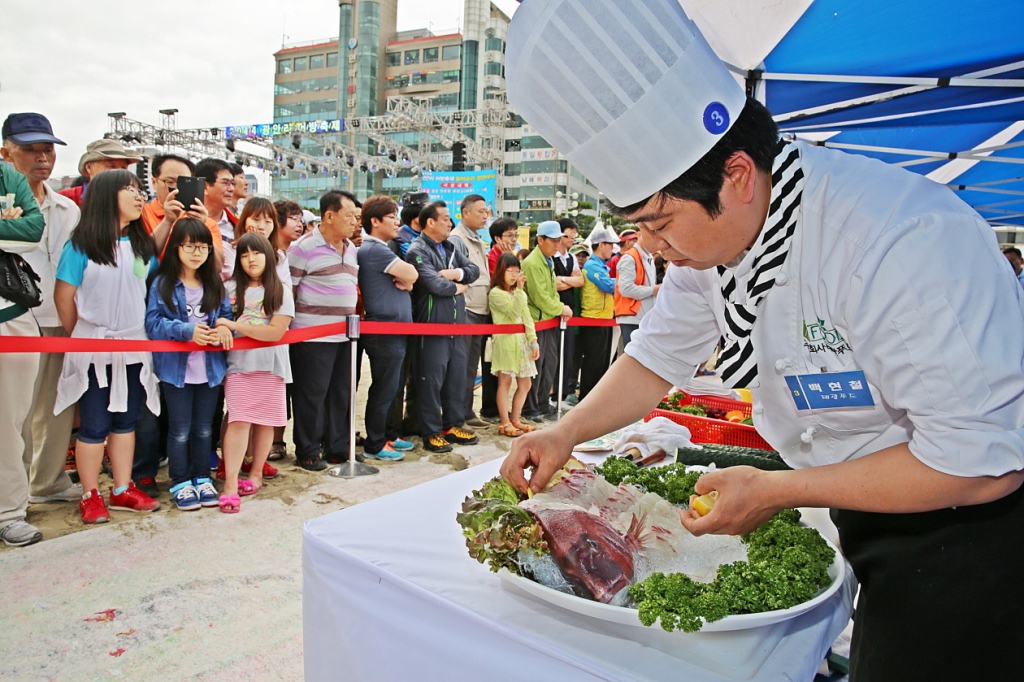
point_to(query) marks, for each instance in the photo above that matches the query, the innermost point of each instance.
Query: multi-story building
(447, 71)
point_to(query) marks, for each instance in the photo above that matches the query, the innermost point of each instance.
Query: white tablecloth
(390, 593)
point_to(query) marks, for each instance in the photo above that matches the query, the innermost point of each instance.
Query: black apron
(941, 594)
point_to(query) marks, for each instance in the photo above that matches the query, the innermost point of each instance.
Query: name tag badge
(828, 391)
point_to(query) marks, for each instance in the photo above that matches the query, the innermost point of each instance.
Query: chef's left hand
(745, 501)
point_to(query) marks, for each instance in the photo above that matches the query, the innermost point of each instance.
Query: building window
(450, 76)
(448, 99)
(513, 169)
(430, 54)
(451, 52)
(316, 61)
(512, 193)
(496, 44)
(284, 66)
(412, 56)
(394, 58)
(300, 63)
(494, 69)
(332, 59)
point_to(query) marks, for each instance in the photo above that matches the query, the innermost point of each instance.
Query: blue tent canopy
(917, 83)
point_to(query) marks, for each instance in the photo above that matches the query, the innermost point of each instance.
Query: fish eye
(592, 543)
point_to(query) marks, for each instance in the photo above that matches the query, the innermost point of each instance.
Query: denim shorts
(96, 421)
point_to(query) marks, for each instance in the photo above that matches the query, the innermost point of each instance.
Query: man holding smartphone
(159, 214)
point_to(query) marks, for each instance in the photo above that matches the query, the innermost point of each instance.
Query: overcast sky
(76, 61)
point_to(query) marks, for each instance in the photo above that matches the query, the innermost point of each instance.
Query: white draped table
(390, 593)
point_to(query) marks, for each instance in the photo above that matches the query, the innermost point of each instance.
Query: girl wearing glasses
(100, 293)
(185, 303)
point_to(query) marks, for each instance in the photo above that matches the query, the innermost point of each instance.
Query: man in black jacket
(439, 362)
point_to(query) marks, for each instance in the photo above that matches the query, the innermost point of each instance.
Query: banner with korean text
(450, 187)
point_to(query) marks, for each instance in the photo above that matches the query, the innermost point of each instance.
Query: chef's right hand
(546, 451)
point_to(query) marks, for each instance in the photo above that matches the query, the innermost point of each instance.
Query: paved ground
(183, 595)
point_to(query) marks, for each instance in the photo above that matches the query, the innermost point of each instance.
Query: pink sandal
(230, 504)
(247, 487)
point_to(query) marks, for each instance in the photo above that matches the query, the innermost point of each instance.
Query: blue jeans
(387, 354)
(190, 430)
(96, 421)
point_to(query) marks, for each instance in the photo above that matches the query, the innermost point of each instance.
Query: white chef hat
(629, 91)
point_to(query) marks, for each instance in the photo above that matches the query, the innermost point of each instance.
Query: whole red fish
(593, 556)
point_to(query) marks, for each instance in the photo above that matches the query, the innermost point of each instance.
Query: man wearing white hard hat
(865, 306)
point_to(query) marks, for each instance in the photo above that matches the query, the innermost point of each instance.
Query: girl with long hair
(512, 355)
(260, 215)
(185, 302)
(100, 293)
(254, 388)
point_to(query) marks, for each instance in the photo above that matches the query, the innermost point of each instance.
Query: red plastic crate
(708, 430)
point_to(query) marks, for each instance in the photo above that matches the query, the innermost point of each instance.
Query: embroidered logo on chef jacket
(829, 390)
(818, 338)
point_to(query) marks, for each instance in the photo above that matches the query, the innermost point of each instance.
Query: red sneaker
(269, 470)
(92, 508)
(220, 470)
(133, 500)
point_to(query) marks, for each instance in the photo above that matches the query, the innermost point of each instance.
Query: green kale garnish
(786, 565)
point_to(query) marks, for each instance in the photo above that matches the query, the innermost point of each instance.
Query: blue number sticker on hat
(716, 118)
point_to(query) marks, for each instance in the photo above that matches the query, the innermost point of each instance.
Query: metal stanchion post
(353, 468)
(561, 365)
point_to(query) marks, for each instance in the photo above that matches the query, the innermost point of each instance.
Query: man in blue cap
(28, 144)
(542, 294)
(21, 228)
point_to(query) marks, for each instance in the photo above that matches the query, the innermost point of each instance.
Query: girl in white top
(100, 293)
(259, 215)
(254, 388)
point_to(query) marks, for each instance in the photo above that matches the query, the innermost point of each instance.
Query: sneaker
(208, 495)
(163, 462)
(572, 399)
(566, 406)
(185, 496)
(92, 508)
(386, 454)
(133, 500)
(215, 461)
(459, 436)
(317, 464)
(269, 470)
(437, 443)
(20, 533)
(148, 485)
(73, 493)
(401, 445)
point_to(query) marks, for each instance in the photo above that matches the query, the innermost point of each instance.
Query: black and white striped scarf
(748, 283)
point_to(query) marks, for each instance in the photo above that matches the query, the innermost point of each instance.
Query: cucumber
(731, 455)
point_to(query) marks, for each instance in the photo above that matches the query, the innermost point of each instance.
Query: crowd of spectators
(118, 262)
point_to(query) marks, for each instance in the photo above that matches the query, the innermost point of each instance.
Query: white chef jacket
(888, 273)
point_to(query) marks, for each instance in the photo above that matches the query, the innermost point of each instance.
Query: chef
(869, 310)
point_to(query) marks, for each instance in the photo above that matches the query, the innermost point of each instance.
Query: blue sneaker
(208, 496)
(185, 496)
(386, 454)
(401, 445)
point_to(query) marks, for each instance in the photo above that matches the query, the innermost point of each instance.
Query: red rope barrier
(59, 344)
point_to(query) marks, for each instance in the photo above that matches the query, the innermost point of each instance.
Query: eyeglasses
(134, 192)
(225, 183)
(169, 183)
(194, 248)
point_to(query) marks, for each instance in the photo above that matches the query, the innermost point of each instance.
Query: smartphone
(189, 190)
